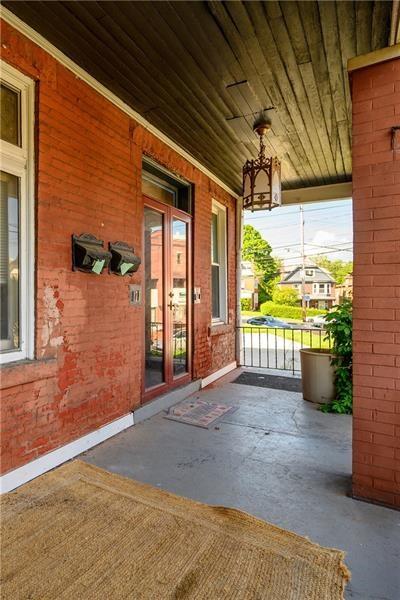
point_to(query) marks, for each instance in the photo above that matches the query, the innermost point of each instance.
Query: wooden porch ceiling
(176, 63)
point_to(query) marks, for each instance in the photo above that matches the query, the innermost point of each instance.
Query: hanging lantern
(262, 176)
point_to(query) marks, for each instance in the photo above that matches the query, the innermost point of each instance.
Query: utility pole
(303, 267)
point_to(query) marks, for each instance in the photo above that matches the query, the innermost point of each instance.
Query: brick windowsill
(26, 371)
(220, 328)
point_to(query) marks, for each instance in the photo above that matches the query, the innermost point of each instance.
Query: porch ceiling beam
(320, 193)
(373, 58)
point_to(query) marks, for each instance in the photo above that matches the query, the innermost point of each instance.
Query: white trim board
(18, 160)
(38, 39)
(13, 479)
(218, 374)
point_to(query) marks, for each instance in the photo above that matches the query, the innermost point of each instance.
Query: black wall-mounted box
(88, 254)
(123, 259)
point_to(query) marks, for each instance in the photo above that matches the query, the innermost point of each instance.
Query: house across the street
(249, 284)
(319, 285)
(345, 289)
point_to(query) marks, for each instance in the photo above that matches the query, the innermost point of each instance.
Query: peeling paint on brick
(88, 179)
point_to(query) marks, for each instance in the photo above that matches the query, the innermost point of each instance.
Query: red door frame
(170, 382)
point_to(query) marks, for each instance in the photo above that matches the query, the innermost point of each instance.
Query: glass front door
(167, 298)
(154, 255)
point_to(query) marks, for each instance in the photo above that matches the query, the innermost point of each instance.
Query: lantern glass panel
(246, 186)
(261, 185)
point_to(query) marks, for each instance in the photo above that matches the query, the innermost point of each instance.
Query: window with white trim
(218, 263)
(16, 215)
(321, 288)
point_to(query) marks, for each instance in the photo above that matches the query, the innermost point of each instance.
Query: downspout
(239, 231)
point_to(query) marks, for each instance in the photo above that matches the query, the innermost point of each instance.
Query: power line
(267, 229)
(293, 212)
(331, 247)
(310, 244)
(318, 254)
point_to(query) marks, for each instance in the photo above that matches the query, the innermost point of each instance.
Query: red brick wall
(89, 354)
(376, 200)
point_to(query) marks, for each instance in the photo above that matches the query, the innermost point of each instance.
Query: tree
(337, 268)
(258, 251)
(285, 295)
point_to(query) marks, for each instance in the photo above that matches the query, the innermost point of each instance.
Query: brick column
(376, 206)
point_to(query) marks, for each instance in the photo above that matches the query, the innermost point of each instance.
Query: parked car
(268, 321)
(317, 321)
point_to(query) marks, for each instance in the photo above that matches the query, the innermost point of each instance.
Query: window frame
(222, 238)
(19, 161)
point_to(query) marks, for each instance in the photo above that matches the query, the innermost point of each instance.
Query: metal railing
(155, 340)
(278, 348)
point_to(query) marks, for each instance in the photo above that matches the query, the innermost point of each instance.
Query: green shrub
(245, 304)
(288, 312)
(339, 329)
(285, 295)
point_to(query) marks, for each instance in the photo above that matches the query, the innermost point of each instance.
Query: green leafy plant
(288, 312)
(286, 295)
(245, 303)
(258, 251)
(339, 330)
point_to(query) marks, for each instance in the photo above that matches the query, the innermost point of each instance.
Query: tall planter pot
(317, 375)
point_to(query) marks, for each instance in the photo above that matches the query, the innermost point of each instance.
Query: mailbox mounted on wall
(88, 254)
(123, 259)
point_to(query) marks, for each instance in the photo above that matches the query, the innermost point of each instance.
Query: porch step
(165, 401)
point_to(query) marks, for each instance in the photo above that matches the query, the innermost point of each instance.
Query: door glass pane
(154, 297)
(9, 122)
(179, 297)
(9, 262)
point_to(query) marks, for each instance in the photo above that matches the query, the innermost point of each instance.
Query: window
(321, 288)
(310, 272)
(218, 263)
(16, 216)
(159, 184)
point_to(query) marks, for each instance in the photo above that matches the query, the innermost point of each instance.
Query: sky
(328, 230)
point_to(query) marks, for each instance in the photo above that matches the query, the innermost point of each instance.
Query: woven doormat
(290, 384)
(81, 533)
(199, 412)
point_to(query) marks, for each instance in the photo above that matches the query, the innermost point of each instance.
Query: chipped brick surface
(88, 339)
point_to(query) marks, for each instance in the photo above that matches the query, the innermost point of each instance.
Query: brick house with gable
(319, 285)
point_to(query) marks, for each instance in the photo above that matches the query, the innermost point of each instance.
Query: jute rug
(80, 532)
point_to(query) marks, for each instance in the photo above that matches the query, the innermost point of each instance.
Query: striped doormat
(199, 412)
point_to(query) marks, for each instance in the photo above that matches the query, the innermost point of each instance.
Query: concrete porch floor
(278, 458)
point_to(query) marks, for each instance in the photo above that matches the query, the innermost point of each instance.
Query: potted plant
(317, 375)
(327, 373)
(339, 330)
